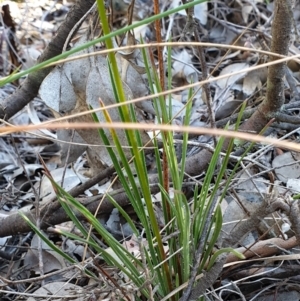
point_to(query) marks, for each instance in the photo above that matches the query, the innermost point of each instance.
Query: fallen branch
(264, 248)
(52, 213)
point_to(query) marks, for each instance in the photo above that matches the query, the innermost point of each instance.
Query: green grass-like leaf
(199, 220)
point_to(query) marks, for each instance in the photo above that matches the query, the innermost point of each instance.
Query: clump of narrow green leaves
(167, 262)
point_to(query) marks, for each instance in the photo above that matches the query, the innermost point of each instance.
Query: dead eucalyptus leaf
(75, 149)
(200, 12)
(58, 289)
(228, 108)
(52, 261)
(254, 80)
(286, 167)
(228, 81)
(77, 85)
